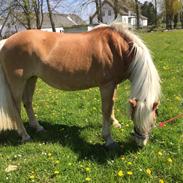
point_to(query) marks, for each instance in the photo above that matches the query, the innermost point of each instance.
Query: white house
(62, 23)
(125, 15)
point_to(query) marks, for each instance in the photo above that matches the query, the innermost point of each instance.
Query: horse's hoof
(117, 125)
(112, 146)
(40, 129)
(26, 139)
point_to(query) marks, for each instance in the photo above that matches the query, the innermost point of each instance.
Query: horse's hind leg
(17, 87)
(107, 95)
(27, 100)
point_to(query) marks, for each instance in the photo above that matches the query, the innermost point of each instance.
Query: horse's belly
(71, 82)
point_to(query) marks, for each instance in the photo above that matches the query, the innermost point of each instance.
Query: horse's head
(144, 119)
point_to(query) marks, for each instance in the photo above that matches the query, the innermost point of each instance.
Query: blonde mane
(145, 80)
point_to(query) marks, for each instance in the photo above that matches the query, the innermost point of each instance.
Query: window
(109, 12)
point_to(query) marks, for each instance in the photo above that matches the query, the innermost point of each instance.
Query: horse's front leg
(115, 122)
(107, 96)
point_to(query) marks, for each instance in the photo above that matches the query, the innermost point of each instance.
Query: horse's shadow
(70, 136)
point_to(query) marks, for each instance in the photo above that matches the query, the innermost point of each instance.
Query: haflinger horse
(103, 57)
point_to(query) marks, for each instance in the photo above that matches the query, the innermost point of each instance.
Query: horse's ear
(133, 102)
(155, 106)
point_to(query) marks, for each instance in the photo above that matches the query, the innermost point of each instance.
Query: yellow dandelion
(56, 172)
(148, 171)
(160, 153)
(161, 181)
(87, 169)
(169, 160)
(120, 173)
(129, 163)
(49, 154)
(88, 179)
(57, 161)
(130, 173)
(178, 98)
(32, 177)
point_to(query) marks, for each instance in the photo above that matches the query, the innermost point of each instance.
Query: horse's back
(68, 61)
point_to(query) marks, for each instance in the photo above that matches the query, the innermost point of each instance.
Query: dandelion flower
(148, 171)
(120, 173)
(56, 172)
(178, 98)
(49, 154)
(129, 163)
(160, 153)
(161, 181)
(130, 173)
(57, 161)
(87, 169)
(88, 179)
(32, 177)
(169, 160)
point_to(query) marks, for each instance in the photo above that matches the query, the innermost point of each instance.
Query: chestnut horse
(103, 57)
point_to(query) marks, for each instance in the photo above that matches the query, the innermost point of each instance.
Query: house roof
(60, 20)
(63, 20)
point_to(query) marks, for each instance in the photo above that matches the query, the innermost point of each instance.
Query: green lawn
(72, 151)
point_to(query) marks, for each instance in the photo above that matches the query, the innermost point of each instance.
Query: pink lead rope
(161, 124)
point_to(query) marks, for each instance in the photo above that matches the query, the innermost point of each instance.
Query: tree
(137, 13)
(155, 13)
(50, 16)
(172, 8)
(27, 12)
(148, 10)
(38, 9)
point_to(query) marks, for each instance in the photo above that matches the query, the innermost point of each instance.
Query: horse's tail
(9, 117)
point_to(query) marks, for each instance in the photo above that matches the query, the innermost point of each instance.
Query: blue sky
(73, 6)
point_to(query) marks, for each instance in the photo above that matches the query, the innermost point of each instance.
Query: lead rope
(161, 124)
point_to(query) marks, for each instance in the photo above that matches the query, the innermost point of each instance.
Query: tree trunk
(175, 20)
(155, 13)
(181, 19)
(137, 13)
(26, 6)
(100, 10)
(116, 8)
(38, 9)
(50, 16)
(98, 5)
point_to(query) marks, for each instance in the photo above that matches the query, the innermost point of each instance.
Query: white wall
(144, 23)
(107, 13)
(59, 29)
(107, 18)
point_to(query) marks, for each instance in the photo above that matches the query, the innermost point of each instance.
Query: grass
(72, 149)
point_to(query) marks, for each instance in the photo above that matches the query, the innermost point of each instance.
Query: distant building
(63, 22)
(125, 15)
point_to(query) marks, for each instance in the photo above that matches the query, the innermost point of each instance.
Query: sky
(73, 6)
